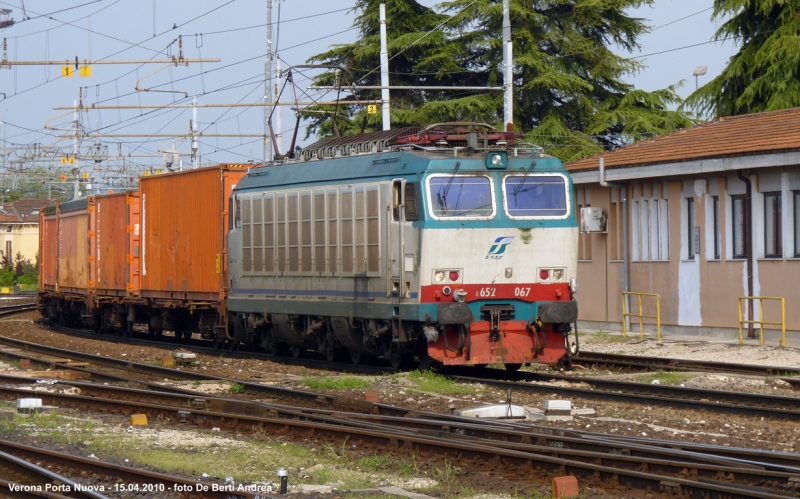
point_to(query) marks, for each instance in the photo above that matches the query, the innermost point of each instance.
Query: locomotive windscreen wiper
(527, 172)
(443, 197)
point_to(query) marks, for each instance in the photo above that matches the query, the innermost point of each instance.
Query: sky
(234, 31)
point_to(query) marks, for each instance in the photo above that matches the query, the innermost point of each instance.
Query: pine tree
(570, 96)
(764, 75)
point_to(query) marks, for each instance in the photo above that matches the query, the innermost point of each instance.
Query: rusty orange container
(184, 225)
(73, 272)
(48, 248)
(114, 233)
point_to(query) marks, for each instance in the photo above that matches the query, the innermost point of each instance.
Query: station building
(19, 227)
(684, 196)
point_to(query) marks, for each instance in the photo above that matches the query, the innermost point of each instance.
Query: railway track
(476, 447)
(751, 404)
(673, 396)
(16, 308)
(641, 363)
(90, 478)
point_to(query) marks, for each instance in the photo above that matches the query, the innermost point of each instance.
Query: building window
(739, 232)
(650, 223)
(715, 209)
(773, 242)
(690, 228)
(796, 195)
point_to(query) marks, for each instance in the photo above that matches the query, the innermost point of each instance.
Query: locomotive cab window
(461, 197)
(535, 196)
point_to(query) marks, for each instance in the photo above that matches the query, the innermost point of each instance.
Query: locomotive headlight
(558, 274)
(438, 276)
(496, 160)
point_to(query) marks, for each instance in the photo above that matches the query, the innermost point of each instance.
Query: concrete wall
(700, 293)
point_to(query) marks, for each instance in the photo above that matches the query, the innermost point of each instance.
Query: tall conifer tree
(570, 96)
(764, 75)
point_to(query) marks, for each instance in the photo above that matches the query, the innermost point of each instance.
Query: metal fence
(641, 316)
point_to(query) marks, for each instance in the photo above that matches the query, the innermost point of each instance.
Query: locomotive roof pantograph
(437, 138)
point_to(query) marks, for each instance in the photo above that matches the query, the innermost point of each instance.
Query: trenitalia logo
(499, 247)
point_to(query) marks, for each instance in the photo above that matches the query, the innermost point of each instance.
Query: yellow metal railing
(641, 315)
(761, 299)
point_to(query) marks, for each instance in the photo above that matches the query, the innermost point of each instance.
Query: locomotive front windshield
(461, 196)
(535, 196)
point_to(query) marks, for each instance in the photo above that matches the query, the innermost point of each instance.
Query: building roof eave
(684, 168)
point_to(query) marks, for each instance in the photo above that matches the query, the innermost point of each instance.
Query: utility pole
(508, 71)
(384, 71)
(268, 85)
(278, 111)
(75, 152)
(195, 142)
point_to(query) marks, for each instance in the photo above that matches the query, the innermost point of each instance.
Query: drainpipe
(626, 265)
(748, 246)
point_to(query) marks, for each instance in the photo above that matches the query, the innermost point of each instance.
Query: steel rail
(670, 364)
(44, 476)
(15, 309)
(127, 474)
(309, 397)
(628, 470)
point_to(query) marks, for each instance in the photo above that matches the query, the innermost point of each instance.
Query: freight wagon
(153, 257)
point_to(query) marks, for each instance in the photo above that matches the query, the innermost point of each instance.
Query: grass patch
(336, 383)
(428, 381)
(237, 388)
(607, 337)
(666, 377)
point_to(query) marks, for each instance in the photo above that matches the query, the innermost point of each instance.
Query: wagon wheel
(269, 343)
(219, 343)
(394, 354)
(329, 348)
(297, 352)
(355, 357)
(513, 367)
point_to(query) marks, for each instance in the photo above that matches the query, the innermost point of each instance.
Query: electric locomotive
(454, 243)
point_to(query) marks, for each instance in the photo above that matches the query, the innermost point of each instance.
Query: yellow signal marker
(146, 173)
(85, 71)
(67, 71)
(372, 109)
(72, 161)
(85, 175)
(63, 161)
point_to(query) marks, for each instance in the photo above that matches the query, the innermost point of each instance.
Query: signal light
(544, 274)
(453, 275)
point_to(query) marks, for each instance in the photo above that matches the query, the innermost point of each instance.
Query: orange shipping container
(184, 227)
(48, 248)
(73, 247)
(115, 241)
